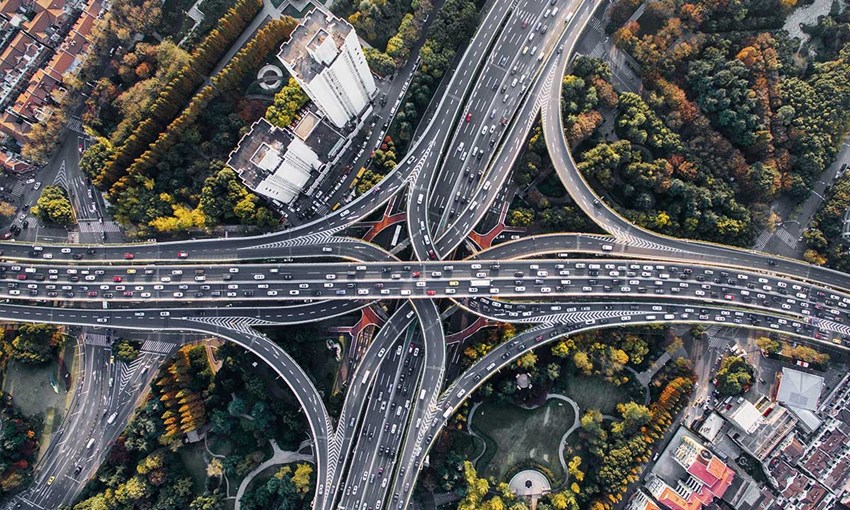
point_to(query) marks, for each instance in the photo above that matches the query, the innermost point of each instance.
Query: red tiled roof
(712, 472)
(94, 7)
(75, 43)
(14, 127)
(10, 7)
(37, 27)
(84, 25)
(12, 163)
(59, 64)
(50, 4)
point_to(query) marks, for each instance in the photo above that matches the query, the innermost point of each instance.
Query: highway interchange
(398, 398)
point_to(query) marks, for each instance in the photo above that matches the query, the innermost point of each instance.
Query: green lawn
(593, 393)
(520, 434)
(194, 457)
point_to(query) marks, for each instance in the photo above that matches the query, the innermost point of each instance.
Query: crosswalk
(786, 237)
(96, 339)
(762, 240)
(18, 189)
(76, 125)
(97, 227)
(157, 347)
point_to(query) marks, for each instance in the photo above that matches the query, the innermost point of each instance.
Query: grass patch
(194, 457)
(593, 393)
(289, 10)
(522, 435)
(31, 389)
(551, 186)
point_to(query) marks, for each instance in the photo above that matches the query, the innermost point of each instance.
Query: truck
(366, 377)
(422, 394)
(112, 417)
(479, 283)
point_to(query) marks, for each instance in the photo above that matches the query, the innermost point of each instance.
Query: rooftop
(314, 44)
(799, 389)
(258, 153)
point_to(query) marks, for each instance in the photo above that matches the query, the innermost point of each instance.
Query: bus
(479, 283)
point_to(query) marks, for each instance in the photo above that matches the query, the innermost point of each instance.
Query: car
(129, 256)
(182, 254)
(51, 480)
(65, 250)
(116, 279)
(432, 292)
(469, 116)
(47, 256)
(102, 320)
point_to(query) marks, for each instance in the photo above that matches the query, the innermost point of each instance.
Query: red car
(469, 116)
(416, 274)
(129, 256)
(7, 235)
(116, 279)
(432, 292)
(22, 276)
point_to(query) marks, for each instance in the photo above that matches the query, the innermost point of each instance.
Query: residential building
(687, 475)
(324, 56)
(274, 162)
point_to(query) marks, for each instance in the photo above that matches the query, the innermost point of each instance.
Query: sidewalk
(278, 457)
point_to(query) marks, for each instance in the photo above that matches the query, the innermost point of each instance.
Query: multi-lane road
(398, 398)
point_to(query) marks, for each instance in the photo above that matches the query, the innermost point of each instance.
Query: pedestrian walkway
(95, 339)
(278, 457)
(157, 347)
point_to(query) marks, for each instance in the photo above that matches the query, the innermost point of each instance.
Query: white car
(101, 319)
(65, 250)
(271, 293)
(47, 256)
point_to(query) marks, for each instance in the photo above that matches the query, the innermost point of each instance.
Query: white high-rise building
(324, 56)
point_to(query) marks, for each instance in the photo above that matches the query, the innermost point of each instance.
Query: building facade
(324, 56)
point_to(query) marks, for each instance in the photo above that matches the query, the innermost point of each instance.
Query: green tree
(288, 100)
(768, 345)
(53, 206)
(734, 375)
(36, 343)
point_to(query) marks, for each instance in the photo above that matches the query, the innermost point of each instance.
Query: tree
(7, 209)
(53, 206)
(768, 345)
(36, 343)
(734, 375)
(288, 100)
(521, 217)
(301, 479)
(583, 363)
(125, 350)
